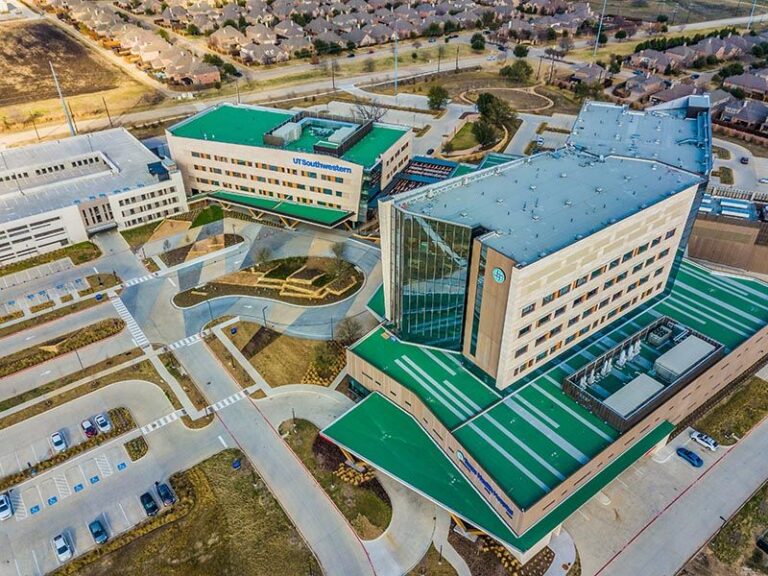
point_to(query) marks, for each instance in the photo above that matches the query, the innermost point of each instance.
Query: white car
(703, 440)
(62, 548)
(6, 508)
(58, 442)
(763, 180)
(102, 423)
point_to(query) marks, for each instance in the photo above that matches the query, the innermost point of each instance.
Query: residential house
(263, 53)
(745, 114)
(753, 84)
(652, 60)
(227, 40)
(260, 34)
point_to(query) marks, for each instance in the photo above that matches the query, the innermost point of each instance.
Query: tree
(324, 359)
(193, 30)
(603, 38)
(477, 42)
(620, 35)
(565, 44)
(433, 30)
(438, 97)
(229, 68)
(484, 133)
(519, 71)
(520, 51)
(661, 18)
(551, 34)
(348, 330)
(368, 110)
(369, 65)
(164, 35)
(213, 59)
(495, 110)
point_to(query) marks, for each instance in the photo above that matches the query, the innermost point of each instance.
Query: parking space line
(125, 516)
(37, 564)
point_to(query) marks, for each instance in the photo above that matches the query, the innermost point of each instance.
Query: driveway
(664, 509)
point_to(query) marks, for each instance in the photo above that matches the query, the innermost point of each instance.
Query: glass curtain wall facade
(430, 263)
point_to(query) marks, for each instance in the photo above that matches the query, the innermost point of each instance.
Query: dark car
(88, 428)
(691, 457)
(430, 151)
(149, 504)
(98, 533)
(166, 494)
(744, 160)
(351, 55)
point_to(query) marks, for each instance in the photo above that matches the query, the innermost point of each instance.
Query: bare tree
(263, 255)
(369, 65)
(368, 110)
(348, 330)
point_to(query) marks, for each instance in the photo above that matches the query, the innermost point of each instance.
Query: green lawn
(78, 253)
(738, 413)
(464, 138)
(137, 237)
(210, 214)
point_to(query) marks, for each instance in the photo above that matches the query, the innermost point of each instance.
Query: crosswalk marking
(162, 421)
(139, 280)
(188, 341)
(136, 332)
(173, 416)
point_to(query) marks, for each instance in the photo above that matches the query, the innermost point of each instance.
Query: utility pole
(438, 60)
(67, 113)
(599, 30)
(106, 109)
(396, 38)
(237, 88)
(751, 14)
(333, 75)
(457, 58)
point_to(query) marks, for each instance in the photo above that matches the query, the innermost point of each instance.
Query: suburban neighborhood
(471, 288)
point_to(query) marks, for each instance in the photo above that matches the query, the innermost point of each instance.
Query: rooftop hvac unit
(289, 132)
(341, 134)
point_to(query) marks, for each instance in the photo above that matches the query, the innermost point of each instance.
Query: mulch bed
(262, 338)
(488, 564)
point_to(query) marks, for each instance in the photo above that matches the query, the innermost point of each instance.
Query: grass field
(27, 89)
(137, 237)
(464, 138)
(737, 413)
(683, 11)
(366, 507)
(235, 526)
(280, 359)
(79, 254)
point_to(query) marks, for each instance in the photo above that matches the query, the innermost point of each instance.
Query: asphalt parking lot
(19, 452)
(102, 483)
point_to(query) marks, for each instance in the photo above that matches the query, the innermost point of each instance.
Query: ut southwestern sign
(322, 165)
(487, 485)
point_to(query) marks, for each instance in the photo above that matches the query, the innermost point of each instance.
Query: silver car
(62, 548)
(58, 442)
(6, 508)
(703, 440)
(102, 423)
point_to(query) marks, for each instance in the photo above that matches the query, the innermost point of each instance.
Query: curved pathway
(408, 536)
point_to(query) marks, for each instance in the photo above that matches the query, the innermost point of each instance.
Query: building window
(478, 300)
(560, 311)
(564, 290)
(524, 331)
(520, 351)
(528, 309)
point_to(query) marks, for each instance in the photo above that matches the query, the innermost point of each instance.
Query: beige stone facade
(210, 166)
(542, 309)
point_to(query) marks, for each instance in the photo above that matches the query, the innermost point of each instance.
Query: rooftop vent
(563, 175)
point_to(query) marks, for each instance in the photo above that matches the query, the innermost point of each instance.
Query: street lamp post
(264, 315)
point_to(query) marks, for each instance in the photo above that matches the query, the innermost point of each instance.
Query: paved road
(745, 176)
(327, 532)
(664, 509)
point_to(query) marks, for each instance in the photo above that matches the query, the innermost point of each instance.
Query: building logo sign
(499, 276)
(487, 485)
(322, 165)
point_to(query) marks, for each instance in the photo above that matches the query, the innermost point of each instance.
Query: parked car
(149, 504)
(58, 442)
(691, 457)
(88, 428)
(102, 423)
(62, 548)
(351, 55)
(430, 151)
(6, 507)
(98, 532)
(165, 493)
(744, 160)
(763, 180)
(707, 441)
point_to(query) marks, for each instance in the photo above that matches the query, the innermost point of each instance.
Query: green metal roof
(376, 303)
(246, 126)
(312, 214)
(372, 145)
(437, 377)
(242, 125)
(534, 436)
(379, 432)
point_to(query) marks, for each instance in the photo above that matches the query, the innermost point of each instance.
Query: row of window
(527, 365)
(146, 196)
(599, 272)
(274, 181)
(150, 217)
(48, 169)
(262, 166)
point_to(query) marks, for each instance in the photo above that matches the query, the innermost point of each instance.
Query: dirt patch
(169, 228)
(517, 99)
(199, 248)
(25, 75)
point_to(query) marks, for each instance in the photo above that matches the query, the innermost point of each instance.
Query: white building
(58, 193)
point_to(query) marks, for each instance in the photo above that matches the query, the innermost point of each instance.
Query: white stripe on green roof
(572, 412)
